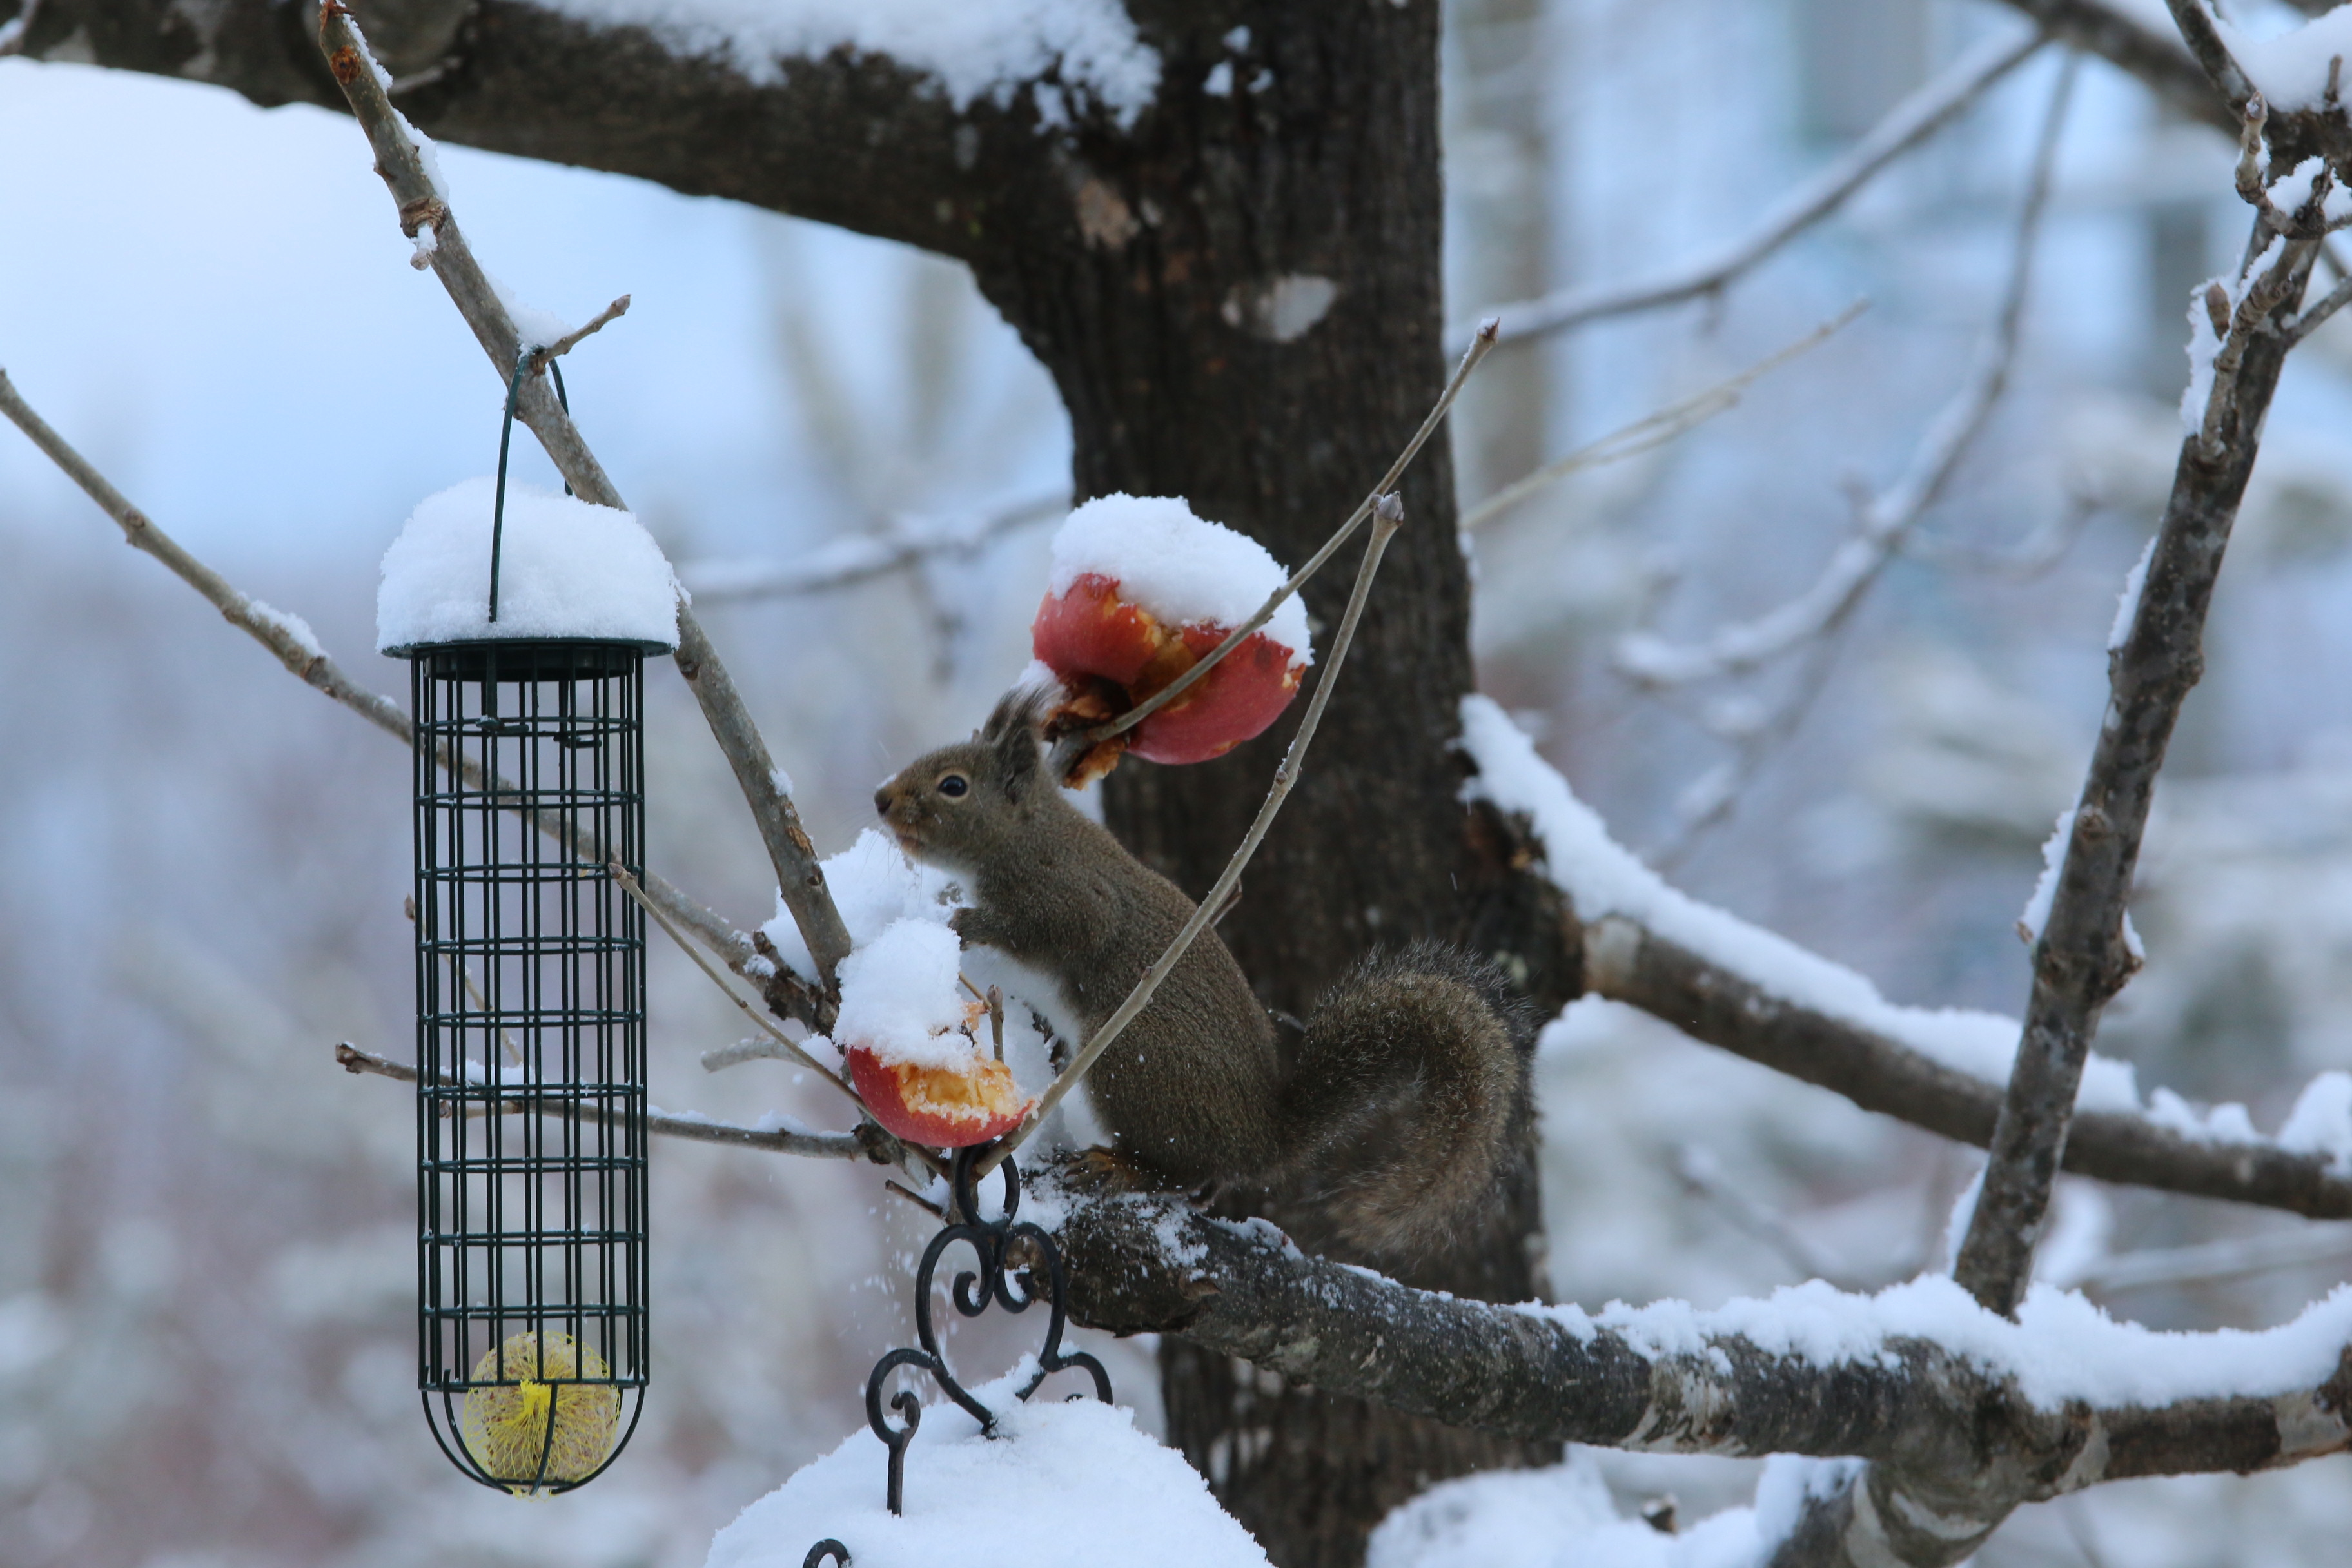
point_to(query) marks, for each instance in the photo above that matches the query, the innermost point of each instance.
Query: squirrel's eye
(953, 784)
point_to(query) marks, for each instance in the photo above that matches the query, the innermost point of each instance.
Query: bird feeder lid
(569, 572)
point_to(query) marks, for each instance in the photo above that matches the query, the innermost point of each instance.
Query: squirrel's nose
(882, 800)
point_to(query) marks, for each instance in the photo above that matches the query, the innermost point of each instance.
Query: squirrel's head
(958, 807)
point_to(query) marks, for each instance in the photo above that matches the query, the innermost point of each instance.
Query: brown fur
(1395, 1120)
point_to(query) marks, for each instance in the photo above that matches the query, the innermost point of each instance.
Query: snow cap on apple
(906, 1030)
(1142, 590)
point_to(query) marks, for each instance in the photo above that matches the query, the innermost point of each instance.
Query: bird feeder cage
(530, 1107)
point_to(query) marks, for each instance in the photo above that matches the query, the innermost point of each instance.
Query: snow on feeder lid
(568, 570)
(1142, 590)
(529, 762)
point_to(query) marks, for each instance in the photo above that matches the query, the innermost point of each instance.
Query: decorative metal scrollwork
(1010, 1285)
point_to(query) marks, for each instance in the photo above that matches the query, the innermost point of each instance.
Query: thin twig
(815, 1145)
(861, 558)
(930, 1161)
(1388, 516)
(1889, 517)
(399, 160)
(743, 1051)
(1482, 342)
(1656, 428)
(790, 1047)
(541, 358)
(2304, 325)
(1910, 122)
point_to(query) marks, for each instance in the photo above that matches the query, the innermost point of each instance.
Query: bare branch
(1481, 344)
(701, 1130)
(861, 558)
(1889, 517)
(1388, 516)
(572, 340)
(422, 205)
(2315, 314)
(1908, 123)
(1628, 962)
(1655, 429)
(2083, 959)
(286, 637)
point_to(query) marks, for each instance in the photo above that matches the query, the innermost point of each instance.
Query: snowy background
(206, 1269)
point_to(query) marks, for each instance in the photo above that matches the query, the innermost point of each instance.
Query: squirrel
(1386, 1130)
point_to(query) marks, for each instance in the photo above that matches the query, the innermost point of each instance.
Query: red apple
(938, 1108)
(1090, 634)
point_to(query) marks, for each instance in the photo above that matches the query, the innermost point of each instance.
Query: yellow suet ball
(505, 1425)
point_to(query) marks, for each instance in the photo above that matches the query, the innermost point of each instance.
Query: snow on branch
(1749, 991)
(1058, 49)
(2062, 1398)
(1913, 121)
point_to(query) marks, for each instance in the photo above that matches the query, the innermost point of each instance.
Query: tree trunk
(1253, 321)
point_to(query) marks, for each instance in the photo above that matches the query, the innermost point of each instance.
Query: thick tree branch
(1669, 1380)
(1627, 962)
(400, 160)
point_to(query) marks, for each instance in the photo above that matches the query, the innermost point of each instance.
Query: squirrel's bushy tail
(1399, 1112)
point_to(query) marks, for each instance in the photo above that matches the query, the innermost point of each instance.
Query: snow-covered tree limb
(1918, 1373)
(1627, 962)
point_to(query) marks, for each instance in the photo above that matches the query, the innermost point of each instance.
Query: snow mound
(1184, 569)
(566, 569)
(1061, 1485)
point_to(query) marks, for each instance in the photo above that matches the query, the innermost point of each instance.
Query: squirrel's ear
(1011, 736)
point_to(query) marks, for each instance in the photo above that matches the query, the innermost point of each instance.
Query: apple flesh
(1088, 633)
(937, 1108)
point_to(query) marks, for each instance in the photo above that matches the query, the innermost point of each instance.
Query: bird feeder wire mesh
(530, 1048)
